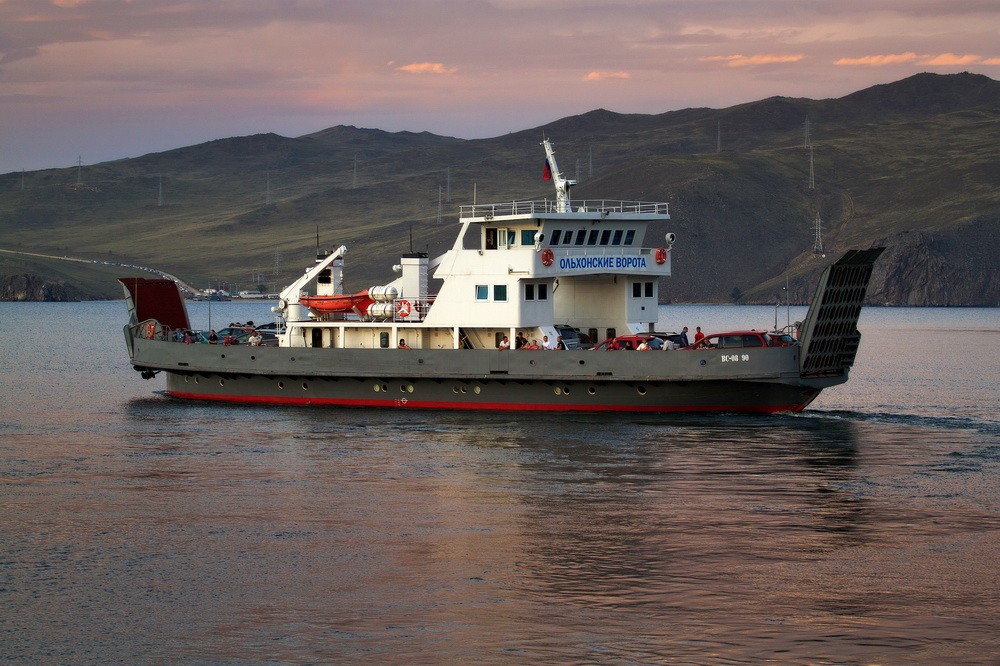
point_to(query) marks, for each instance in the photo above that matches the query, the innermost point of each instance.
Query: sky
(95, 80)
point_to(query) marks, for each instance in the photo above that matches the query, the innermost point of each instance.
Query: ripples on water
(140, 529)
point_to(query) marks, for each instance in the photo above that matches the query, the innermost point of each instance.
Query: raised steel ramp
(829, 336)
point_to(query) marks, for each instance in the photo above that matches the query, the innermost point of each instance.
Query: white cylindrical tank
(383, 294)
(381, 310)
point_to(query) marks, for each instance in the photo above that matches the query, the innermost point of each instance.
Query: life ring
(548, 256)
(403, 309)
(661, 255)
(150, 330)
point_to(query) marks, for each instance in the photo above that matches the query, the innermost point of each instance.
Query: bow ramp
(830, 335)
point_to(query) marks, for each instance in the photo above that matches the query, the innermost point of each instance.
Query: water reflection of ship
(679, 511)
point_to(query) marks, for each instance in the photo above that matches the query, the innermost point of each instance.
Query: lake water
(140, 529)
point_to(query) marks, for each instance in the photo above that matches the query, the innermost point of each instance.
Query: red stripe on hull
(493, 406)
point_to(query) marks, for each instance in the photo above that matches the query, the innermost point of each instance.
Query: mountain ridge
(911, 164)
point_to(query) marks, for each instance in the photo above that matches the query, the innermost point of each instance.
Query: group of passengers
(521, 342)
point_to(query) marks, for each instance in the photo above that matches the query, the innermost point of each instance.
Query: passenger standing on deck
(504, 344)
(698, 335)
(212, 337)
(546, 343)
(684, 337)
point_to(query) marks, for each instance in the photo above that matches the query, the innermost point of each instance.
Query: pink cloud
(950, 59)
(427, 68)
(598, 75)
(754, 60)
(879, 60)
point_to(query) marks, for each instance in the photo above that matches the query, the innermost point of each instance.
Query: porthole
(454, 389)
(253, 358)
(531, 362)
(463, 390)
(187, 379)
(566, 391)
(222, 382)
(377, 388)
(281, 385)
(223, 356)
(592, 391)
(305, 386)
(197, 381)
(641, 390)
(557, 390)
(406, 388)
(385, 388)
(582, 362)
(477, 390)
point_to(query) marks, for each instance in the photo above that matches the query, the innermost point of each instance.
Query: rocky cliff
(27, 287)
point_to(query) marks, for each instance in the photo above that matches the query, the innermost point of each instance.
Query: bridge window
(629, 236)
(580, 235)
(491, 238)
(528, 236)
(556, 235)
(605, 236)
(617, 238)
(592, 239)
(536, 291)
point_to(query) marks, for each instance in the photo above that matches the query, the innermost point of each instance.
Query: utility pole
(267, 195)
(159, 194)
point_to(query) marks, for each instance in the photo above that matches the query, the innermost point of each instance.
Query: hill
(911, 164)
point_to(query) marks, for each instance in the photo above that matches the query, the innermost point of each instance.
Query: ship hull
(761, 380)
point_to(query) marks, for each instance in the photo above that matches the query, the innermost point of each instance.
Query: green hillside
(913, 165)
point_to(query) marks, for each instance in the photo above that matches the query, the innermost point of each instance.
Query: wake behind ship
(548, 273)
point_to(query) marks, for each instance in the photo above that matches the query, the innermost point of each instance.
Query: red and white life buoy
(661, 255)
(150, 330)
(403, 309)
(548, 256)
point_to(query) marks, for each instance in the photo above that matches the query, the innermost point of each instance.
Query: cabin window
(511, 238)
(528, 236)
(499, 292)
(611, 333)
(580, 235)
(592, 239)
(482, 292)
(491, 238)
(616, 239)
(383, 339)
(502, 239)
(605, 236)
(324, 277)
(536, 291)
(556, 235)
(642, 290)
(629, 236)
(592, 332)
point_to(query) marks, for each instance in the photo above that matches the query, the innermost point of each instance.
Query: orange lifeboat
(342, 303)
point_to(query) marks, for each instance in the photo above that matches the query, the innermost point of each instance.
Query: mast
(562, 185)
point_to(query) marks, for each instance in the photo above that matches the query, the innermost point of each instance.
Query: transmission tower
(812, 172)
(277, 261)
(818, 241)
(807, 142)
(718, 137)
(159, 195)
(267, 195)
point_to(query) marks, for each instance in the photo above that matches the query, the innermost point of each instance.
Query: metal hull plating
(761, 380)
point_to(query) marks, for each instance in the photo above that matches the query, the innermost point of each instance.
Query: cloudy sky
(104, 79)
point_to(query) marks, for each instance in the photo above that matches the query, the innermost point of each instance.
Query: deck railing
(546, 207)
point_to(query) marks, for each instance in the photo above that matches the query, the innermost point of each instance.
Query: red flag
(546, 171)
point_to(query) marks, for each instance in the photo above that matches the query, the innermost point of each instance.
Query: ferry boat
(532, 270)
